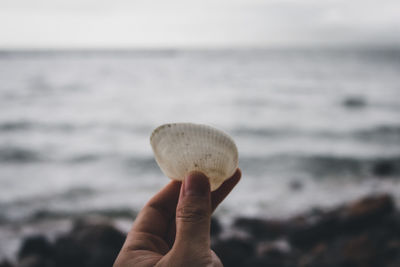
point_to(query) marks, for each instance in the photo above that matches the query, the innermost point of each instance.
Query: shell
(180, 148)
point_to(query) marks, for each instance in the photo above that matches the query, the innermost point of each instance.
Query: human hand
(173, 229)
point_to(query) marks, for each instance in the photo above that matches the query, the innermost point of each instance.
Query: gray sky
(201, 23)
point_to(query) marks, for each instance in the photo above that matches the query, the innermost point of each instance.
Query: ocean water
(313, 128)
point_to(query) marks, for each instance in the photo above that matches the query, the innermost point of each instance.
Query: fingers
(157, 214)
(216, 198)
(219, 195)
(193, 214)
(193, 211)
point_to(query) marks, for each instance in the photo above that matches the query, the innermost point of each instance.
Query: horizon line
(202, 48)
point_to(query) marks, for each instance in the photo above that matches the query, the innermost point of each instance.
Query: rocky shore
(364, 233)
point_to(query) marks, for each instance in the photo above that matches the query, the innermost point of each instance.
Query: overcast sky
(201, 23)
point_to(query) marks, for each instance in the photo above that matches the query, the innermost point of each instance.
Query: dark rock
(37, 245)
(91, 234)
(279, 247)
(234, 252)
(35, 261)
(5, 263)
(353, 218)
(88, 244)
(216, 227)
(100, 241)
(365, 212)
(102, 257)
(383, 168)
(364, 233)
(261, 229)
(360, 250)
(305, 232)
(276, 253)
(68, 252)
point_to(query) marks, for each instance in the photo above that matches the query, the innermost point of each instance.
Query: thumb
(193, 213)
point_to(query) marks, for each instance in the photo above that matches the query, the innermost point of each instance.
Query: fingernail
(196, 184)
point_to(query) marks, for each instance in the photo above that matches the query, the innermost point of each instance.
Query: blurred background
(309, 90)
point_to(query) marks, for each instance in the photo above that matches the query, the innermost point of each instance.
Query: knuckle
(191, 214)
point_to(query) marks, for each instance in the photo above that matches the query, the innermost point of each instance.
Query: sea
(314, 128)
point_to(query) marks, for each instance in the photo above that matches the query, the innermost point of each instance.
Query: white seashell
(180, 148)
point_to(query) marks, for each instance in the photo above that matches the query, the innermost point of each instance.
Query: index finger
(220, 194)
(156, 215)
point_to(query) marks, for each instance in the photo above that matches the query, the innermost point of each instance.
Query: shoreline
(365, 232)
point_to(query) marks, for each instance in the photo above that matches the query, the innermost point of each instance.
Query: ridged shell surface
(180, 148)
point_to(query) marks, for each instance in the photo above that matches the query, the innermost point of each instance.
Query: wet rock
(279, 247)
(364, 233)
(305, 231)
(36, 245)
(88, 244)
(365, 212)
(276, 253)
(98, 243)
(359, 250)
(261, 229)
(308, 230)
(68, 252)
(274, 261)
(234, 252)
(383, 168)
(90, 234)
(35, 261)
(216, 227)
(5, 263)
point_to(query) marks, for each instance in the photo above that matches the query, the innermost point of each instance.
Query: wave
(318, 166)
(15, 126)
(14, 154)
(321, 166)
(46, 214)
(381, 132)
(39, 210)
(111, 213)
(140, 163)
(86, 158)
(25, 125)
(18, 154)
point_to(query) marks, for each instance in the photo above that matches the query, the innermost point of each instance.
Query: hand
(173, 229)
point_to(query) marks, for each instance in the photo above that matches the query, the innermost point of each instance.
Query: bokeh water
(313, 127)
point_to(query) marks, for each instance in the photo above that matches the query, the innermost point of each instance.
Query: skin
(173, 228)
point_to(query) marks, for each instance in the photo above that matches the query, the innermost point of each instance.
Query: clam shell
(180, 148)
